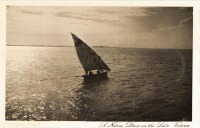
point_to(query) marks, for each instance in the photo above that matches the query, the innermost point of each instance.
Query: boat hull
(99, 76)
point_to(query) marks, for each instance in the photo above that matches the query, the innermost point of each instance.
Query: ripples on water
(45, 83)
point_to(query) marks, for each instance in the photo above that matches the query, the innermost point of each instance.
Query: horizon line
(93, 46)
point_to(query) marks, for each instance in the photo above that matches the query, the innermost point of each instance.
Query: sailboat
(90, 61)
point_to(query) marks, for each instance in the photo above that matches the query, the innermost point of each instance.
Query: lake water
(45, 83)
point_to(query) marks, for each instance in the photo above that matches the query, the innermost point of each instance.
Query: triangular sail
(89, 59)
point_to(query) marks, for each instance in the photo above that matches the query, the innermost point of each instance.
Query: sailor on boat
(90, 73)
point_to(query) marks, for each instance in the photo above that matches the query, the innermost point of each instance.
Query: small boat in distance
(90, 61)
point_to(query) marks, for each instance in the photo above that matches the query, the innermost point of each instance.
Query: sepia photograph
(98, 63)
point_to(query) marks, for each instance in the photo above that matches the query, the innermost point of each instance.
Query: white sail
(89, 59)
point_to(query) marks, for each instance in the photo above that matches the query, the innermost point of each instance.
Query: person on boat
(100, 69)
(90, 73)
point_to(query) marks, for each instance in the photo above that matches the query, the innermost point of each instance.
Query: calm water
(45, 83)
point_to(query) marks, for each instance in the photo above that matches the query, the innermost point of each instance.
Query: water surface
(45, 83)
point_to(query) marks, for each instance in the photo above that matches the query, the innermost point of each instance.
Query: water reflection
(94, 83)
(86, 103)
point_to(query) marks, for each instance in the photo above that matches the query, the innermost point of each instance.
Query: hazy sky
(138, 27)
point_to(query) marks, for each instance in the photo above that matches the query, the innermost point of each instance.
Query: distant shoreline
(58, 46)
(41, 45)
(94, 47)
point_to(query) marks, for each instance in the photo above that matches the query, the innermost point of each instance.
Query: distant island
(54, 46)
(101, 46)
(40, 45)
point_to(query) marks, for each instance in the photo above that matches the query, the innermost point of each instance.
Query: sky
(114, 26)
